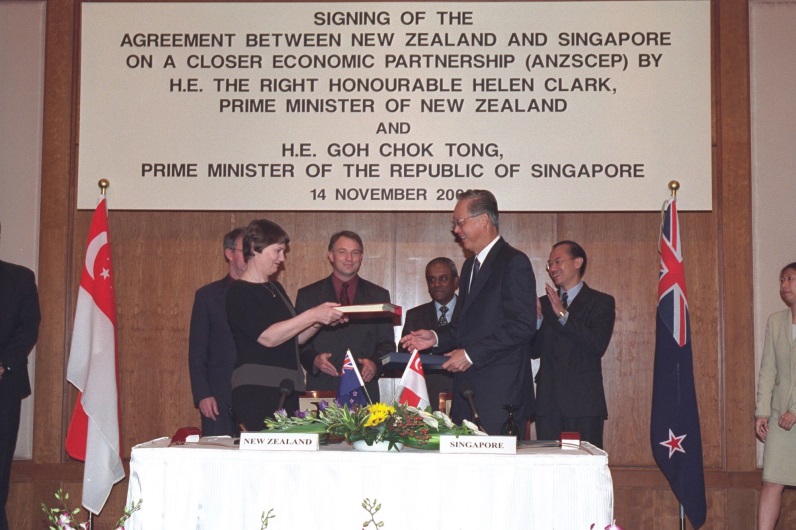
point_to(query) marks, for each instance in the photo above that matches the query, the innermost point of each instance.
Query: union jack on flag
(350, 390)
(672, 301)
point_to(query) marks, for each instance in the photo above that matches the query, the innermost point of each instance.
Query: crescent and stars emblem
(416, 366)
(94, 247)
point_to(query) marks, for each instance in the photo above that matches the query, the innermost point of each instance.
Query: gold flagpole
(103, 186)
(674, 186)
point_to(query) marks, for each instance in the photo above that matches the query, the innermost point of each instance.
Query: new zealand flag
(674, 426)
(350, 391)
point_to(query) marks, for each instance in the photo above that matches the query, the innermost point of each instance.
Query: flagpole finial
(674, 186)
(103, 185)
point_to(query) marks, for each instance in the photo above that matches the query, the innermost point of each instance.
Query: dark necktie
(442, 319)
(344, 299)
(564, 298)
(476, 268)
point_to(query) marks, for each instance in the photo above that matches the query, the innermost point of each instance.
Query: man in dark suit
(211, 349)
(576, 327)
(323, 356)
(19, 331)
(489, 344)
(442, 278)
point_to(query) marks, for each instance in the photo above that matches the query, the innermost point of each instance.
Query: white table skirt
(212, 487)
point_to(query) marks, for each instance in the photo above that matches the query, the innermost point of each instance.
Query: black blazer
(19, 325)
(495, 326)
(368, 339)
(211, 348)
(570, 371)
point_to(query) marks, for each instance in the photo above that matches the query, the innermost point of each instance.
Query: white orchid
(473, 428)
(441, 416)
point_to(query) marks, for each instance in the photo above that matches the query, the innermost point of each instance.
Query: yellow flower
(378, 413)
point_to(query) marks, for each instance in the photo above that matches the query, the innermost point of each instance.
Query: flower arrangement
(63, 518)
(377, 422)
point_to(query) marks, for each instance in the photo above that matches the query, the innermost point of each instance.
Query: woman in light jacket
(775, 410)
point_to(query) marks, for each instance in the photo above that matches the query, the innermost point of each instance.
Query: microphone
(467, 393)
(286, 387)
(235, 418)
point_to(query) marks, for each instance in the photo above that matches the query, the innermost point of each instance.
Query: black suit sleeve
(198, 346)
(307, 353)
(518, 306)
(591, 331)
(385, 341)
(22, 310)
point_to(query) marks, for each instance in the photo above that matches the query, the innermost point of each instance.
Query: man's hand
(457, 361)
(368, 370)
(555, 300)
(209, 408)
(322, 363)
(419, 340)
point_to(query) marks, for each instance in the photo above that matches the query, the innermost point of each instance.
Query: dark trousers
(10, 406)
(222, 425)
(550, 426)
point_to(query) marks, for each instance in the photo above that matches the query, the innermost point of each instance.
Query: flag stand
(103, 186)
(674, 186)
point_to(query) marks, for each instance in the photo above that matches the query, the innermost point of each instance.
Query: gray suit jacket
(775, 386)
(368, 339)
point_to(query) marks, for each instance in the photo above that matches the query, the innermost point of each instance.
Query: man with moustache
(576, 327)
(368, 339)
(442, 279)
(488, 346)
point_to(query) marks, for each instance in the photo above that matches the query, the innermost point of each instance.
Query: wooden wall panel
(162, 257)
(735, 233)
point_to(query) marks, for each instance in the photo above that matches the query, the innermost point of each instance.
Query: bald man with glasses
(487, 347)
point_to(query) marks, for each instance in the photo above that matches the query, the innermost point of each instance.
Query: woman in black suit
(266, 329)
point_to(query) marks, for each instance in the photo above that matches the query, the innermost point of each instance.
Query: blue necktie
(442, 319)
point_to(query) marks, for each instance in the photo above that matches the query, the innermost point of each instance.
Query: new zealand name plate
(504, 445)
(278, 441)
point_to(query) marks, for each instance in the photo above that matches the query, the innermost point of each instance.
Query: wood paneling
(160, 258)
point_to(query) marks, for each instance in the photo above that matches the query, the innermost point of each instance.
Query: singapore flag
(415, 393)
(93, 434)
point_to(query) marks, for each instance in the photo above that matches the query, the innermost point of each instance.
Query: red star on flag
(674, 443)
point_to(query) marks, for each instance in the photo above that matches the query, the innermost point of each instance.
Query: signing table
(217, 486)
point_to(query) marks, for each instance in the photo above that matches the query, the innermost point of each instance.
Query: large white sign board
(395, 106)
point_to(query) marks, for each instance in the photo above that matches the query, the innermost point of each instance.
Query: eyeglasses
(557, 262)
(235, 249)
(460, 222)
